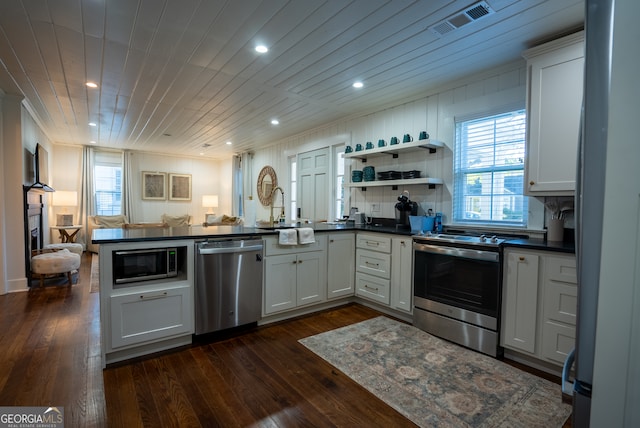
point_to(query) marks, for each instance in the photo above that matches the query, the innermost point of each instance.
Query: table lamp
(64, 199)
(209, 201)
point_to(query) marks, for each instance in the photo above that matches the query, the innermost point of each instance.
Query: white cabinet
(555, 73)
(341, 264)
(539, 304)
(373, 267)
(294, 275)
(402, 274)
(150, 315)
(520, 301)
(143, 317)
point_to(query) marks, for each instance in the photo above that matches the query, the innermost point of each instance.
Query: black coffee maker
(404, 209)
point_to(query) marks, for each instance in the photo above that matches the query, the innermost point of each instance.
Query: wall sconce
(209, 201)
(64, 199)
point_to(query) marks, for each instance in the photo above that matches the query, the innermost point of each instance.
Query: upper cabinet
(555, 73)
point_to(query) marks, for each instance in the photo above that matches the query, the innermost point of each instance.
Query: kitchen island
(139, 318)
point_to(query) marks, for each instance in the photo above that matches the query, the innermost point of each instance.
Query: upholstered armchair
(103, 222)
(176, 220)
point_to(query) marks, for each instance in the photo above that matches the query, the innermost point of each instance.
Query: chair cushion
(176, 220)
(56, 262)
(111, 221)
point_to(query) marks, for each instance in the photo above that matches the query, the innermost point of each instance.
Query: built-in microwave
(144, 264)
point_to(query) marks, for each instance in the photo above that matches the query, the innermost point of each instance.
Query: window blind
(489, 170)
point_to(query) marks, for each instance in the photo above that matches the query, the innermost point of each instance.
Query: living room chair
(49, 261)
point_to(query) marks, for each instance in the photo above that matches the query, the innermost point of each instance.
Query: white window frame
(493, 194)
(338, 178)
(110, 160)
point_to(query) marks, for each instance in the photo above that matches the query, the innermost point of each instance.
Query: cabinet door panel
(520, 300)
(310, 278)
(401, 273)
(280, 283)
(341, 265)
(142, 317)
(555, 99)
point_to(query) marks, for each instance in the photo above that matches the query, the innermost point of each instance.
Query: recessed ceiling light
(275, 122)
(201, 154)
(92, 124)
(358, 85)
(92, 142)
(92, 85)
(262, 49)
(229, 143)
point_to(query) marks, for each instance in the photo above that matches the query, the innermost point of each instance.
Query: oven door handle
(489, 256)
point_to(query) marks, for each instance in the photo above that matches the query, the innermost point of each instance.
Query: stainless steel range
(457, 289)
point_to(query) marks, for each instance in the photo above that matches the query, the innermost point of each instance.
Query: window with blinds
(489, 170)
(107, 183)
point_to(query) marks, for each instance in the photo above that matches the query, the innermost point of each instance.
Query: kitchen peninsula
(370, 264)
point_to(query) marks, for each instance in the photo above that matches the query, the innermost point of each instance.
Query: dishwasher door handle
(229, 250)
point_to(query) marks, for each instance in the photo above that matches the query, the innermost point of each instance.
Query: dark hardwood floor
(50, 342)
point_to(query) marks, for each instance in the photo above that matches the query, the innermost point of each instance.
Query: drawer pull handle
(372, 264)
(521, 258)
(294, 262)
(153, 296)
(373, 243)
(371, 288)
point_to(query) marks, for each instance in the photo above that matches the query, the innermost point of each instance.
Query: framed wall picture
(180, 187)
(153, 186)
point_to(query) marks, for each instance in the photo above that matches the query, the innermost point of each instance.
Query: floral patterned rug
(435, 383)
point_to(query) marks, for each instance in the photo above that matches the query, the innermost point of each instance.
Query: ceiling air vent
(464, 17)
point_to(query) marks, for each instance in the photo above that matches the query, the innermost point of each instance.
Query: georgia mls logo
(32, 417)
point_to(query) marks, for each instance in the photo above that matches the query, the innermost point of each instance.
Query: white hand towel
(288, 237)
(306, 236)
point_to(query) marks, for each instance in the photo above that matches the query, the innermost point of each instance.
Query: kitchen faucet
(271, 207)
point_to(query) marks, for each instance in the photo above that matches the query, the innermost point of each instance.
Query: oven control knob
(483, 238)
(494, 239)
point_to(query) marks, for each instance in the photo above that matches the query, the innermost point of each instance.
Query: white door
(314, 184)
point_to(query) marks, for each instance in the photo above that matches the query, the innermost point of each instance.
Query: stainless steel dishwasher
(228, 284)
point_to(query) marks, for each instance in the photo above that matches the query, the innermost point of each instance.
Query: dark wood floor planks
(50, 342)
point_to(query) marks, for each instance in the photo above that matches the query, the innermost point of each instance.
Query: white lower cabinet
(539, 304)
(294, 279)
(150, 315)
(341, 264)
(402, 274)
(373, 267)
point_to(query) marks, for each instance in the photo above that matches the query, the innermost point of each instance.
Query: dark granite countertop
(198, 232)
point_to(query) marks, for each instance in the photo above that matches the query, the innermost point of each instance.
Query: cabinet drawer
(151, 315)
(373, 263)
(561, 302)
(272, 248)
(562, 269)
(372, 288)
(373, 242)
(557, 341)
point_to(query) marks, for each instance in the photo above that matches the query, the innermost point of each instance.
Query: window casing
(107, 179)
(489, 170)
(339, 194)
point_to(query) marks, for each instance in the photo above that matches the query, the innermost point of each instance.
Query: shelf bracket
(394, 187)
(363, 188)
(431, 186)
(394, 155)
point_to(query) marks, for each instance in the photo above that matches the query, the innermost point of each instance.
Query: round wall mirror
(267, 181)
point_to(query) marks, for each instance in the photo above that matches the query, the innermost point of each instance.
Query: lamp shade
(210, 201)
(64, 198)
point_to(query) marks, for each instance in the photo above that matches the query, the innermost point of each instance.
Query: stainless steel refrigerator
(611, 35)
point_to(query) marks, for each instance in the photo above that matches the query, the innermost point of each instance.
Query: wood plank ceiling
(176, 75)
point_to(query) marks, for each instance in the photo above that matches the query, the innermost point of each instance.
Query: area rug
(95, 274)
(435, 383)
